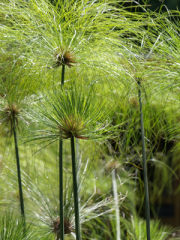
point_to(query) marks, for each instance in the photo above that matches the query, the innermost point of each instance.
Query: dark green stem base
(61, 189)
(76, 202)
(61, 173)
(144, 165)
(18, 169)
(62, 75)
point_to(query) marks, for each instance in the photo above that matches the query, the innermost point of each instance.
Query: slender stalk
(78, 169)
(77, 160)
(76, 202)
(144, 165)
(118, 230)
(61, 189)
(61, 173)
(18, 168)
(62, 75)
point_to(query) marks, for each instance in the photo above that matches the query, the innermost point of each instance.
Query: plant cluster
(105, 78)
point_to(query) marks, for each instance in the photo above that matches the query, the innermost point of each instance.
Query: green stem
(18, 168)
(77, 160)
(76, 204)
(61, 173)
(144, 165)
(118, 230)
(61, 189)
(62, 75)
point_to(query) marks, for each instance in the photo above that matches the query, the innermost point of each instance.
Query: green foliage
(136, 229)
(63, 114)
(12, 227)
(105, 49)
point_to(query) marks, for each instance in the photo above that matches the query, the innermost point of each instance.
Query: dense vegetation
(89, 96)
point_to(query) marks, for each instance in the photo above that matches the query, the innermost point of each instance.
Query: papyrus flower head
(64, 57)
(12, 115)
(9, 116)
(67, 226)
(76, 112)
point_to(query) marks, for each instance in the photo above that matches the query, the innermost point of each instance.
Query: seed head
(10, 116)
(63, 57)
(67, 227)
(72, 126)
(134, 102)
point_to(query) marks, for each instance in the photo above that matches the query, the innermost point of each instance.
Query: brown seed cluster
(134, 101)
(64, 57)
(73, 126)
(67, 227)
(10, 116)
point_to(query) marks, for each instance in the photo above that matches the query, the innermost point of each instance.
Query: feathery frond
(71, 113)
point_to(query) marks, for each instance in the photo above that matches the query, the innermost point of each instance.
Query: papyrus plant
(70, 114)
(144, 162)
(85, 30)
(138, 70)
(42, 204)
(11, 114)
(14, 100)
(63, 58)
(167, 54)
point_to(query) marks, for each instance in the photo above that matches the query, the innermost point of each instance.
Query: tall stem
(61, 189)
(118, 230)
(18, 168)
(78, 161)
(62, 75)
(61, 172)
(76, 202)
(144, 165)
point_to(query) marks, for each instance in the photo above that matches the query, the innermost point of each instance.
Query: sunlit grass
(104, 48)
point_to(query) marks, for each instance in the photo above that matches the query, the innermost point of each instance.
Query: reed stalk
(118, 230)
(62, 75)
(144, 164)
(18, 168)
(61, 189)
(71, 114)
(76, 204)
(61, 172)
(78, 162)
